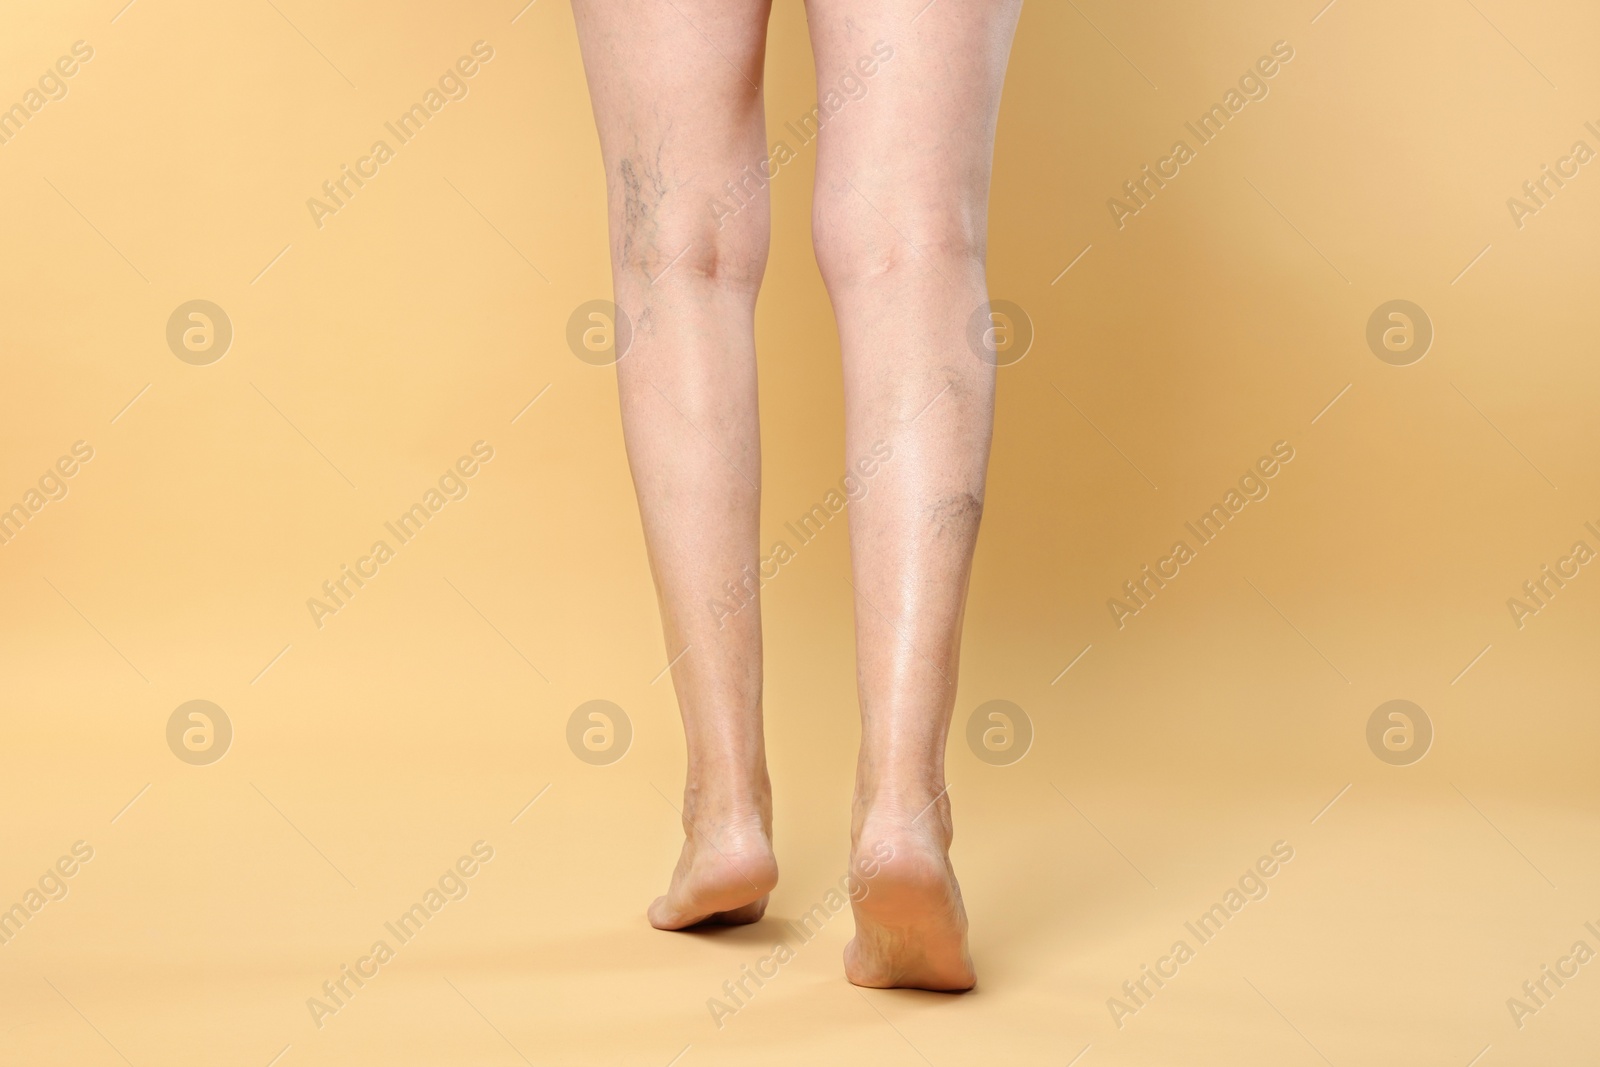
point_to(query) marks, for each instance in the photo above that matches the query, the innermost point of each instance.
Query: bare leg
(900, 230)
(678, 111)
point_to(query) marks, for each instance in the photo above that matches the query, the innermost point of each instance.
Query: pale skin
(899, 227)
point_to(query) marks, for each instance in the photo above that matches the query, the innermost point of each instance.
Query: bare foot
(723, 875)
(911, 928)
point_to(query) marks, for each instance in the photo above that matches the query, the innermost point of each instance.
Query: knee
(698, 253)
(857, 242)
(661, 233)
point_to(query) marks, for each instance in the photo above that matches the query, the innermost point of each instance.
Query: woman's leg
(674, 87)
(900, 229)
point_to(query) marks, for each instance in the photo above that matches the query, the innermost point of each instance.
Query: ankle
(735, 805)
(729, 773)
(909, 794)
(902, 819)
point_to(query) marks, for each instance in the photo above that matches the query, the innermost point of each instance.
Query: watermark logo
(1000, 333)
(599, 732)
(199, 332)
(1399, 733)
(999, 733)
(1399, 332)
(599, 333)
(199, 732)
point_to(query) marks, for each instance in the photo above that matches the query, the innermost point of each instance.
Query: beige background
(426, 315)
